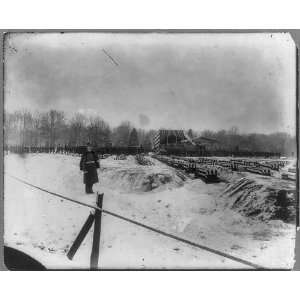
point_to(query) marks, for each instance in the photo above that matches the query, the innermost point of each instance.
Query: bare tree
(121, 134)
(133, 140)
(98, 132)
(77, 130)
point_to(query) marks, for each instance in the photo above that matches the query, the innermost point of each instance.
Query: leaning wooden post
(81, 236)
(96, 235)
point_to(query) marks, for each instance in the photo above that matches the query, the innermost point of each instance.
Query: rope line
(217, 252)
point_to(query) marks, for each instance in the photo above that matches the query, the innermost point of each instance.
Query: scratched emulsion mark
(110, 57)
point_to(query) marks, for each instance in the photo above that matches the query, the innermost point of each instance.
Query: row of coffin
(234, 163)
(207, 172)
(262, 167)
(207, 168)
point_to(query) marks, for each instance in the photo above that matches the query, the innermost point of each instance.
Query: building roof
(167, 132)
(204, 139)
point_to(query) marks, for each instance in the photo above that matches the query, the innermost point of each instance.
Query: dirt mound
(140, 179)
(255, 198)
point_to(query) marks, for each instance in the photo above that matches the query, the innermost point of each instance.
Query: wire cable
(172, 236)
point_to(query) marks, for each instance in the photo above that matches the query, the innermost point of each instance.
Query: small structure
(167, 138)
(177, 142)
(208, 144)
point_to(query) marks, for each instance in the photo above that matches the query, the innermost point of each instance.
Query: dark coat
(89, 163)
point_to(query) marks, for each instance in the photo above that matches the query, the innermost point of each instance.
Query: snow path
(45, 226)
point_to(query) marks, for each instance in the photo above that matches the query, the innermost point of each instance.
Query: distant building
(209, 144)
(167, 138)
(179, 142)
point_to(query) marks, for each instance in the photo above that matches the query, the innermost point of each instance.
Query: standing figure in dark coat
(89, 164)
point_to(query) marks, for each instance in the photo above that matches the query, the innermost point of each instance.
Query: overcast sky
(199, 81)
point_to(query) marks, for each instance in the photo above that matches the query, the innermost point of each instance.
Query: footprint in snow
(176, 249)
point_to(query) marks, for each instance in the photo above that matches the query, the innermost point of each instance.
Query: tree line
(233, 140)
(53, 128)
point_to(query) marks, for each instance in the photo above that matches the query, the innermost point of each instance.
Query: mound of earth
(262, 197)
(139, 179)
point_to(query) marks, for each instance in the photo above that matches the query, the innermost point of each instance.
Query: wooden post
(96, 236)
(82, 234)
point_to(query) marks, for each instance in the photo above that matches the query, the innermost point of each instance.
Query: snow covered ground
(45, 226)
